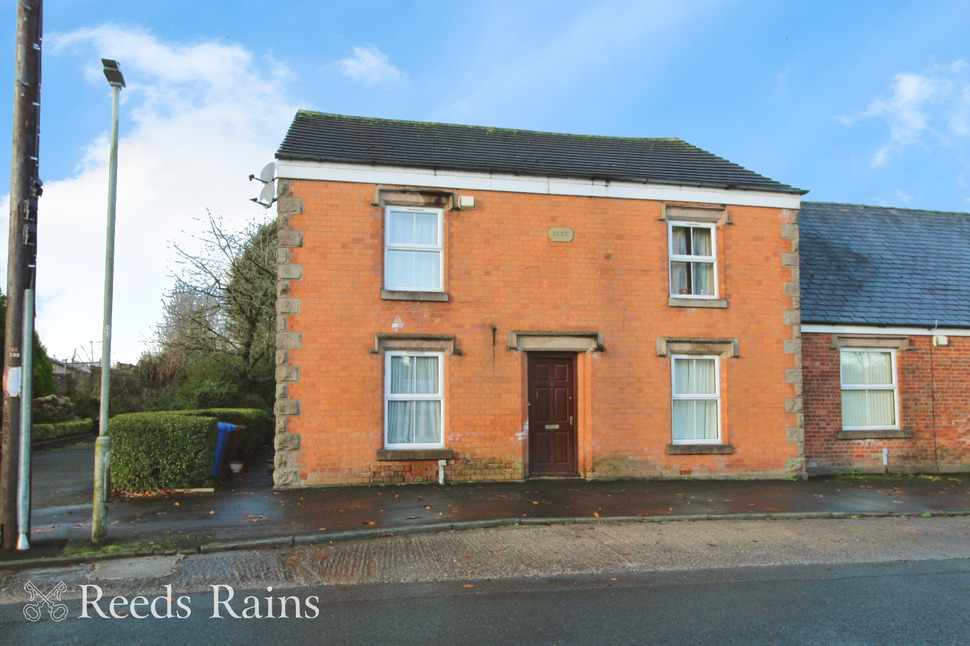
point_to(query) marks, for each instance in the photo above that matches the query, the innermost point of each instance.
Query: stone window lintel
(416, 342)
(869, 341)
(726, 348)
(414, 196)
(700, 213)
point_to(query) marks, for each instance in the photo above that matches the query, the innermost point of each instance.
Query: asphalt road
(863, 581)
(923, 602)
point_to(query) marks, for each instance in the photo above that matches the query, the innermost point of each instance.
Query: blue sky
(860, 102)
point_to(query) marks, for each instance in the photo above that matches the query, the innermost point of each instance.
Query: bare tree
(222, 305)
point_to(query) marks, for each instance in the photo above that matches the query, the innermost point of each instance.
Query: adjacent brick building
(886, 339)
(489, 304)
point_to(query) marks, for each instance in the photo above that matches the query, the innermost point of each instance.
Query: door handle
(570, 419)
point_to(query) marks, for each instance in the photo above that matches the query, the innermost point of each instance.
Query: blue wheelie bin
(223, 448)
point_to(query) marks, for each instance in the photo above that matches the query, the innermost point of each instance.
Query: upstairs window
(693, 260)
(869, 398)
(413, 257)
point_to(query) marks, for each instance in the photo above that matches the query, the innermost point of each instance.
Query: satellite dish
(268, 195)
(268, 174)
(268, 177)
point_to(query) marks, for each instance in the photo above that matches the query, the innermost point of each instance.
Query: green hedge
(42, 432)
(259, 426)
(175, 450)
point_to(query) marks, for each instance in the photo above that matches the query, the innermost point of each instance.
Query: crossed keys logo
(58, 611)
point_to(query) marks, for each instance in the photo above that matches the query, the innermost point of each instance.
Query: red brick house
(885, 339)
(488, 304)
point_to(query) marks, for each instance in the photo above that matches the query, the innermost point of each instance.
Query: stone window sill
(719, 303)
(876, 434)
(700, 449)
(402, 455)
(388, 295)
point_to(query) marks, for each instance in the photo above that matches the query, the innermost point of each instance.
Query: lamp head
(113, 73)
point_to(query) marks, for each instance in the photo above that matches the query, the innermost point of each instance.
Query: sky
(857, 102)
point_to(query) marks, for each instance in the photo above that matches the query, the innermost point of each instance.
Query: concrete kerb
(387, 532)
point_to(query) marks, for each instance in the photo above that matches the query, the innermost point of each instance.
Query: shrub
(52, 409)
(151, 451)
(201, 391)
(175, 450)
(41, 432)
(87, 406)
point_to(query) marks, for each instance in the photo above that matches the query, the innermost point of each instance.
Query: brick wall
(934, 405)
(502, 273)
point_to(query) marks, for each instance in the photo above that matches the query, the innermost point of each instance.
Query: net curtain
(414, 421)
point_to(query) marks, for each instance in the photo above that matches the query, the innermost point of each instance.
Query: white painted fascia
(464, 180)
(888, 331)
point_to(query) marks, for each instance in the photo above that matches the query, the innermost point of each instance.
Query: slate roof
(316, 136)
(883, 266)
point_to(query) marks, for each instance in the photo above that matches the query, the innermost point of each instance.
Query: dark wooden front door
(552, 415)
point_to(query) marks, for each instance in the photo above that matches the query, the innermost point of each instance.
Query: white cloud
(919, 109)
(195, 121)
(370, 65)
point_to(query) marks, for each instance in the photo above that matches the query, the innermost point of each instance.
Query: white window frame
(690, 258)
(439, 248)
(894, 387)
(389, 397)
(715, 396)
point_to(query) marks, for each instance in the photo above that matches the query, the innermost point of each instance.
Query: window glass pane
(427, 422)
(427, 265)
(867, 368)
(413, 269)
(879, 369)
(702, 242)
(695, 420)
(426, 228)
(853, 370)
(400, 375)
(679, 278)
(706, 419)
(400, 227)
(424, 375)
(399, 269)
(854, 408)
(397, 422)
(414, 375)
(695, 376)
(411, 422)
(679, 238)
(406, 227)
(703, 273)
(881, 408)
(683, 421)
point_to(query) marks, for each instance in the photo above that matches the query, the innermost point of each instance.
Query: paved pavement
(245, 511)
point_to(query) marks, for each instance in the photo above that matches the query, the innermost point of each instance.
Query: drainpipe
(441, 471)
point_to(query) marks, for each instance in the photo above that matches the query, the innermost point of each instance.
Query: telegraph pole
(22, 249)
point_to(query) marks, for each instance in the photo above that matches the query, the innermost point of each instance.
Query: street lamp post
(102, 446)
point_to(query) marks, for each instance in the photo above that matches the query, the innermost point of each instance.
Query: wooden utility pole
(22, 249)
